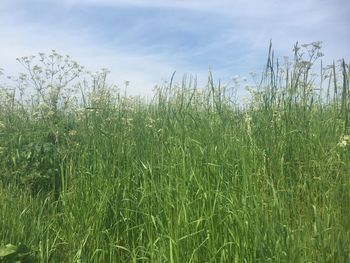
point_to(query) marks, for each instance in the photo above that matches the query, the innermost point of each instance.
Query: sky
(145, 41)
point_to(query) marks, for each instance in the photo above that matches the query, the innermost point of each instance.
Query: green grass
(186, 177)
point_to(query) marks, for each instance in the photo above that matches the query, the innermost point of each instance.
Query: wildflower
(44, 107)
(23, 76)
(128, 121)
(37, 69)
(344, 141)
(317, 44)
(72, 133)
(50, 113)
(150, 123)
(36, 116)
(245, 100)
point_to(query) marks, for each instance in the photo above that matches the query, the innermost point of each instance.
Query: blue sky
(144, 41)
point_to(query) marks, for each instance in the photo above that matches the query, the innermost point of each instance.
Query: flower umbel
(344, 141)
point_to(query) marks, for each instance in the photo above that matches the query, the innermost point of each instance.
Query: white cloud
(141, 69)
(284, 21)
(244, 25)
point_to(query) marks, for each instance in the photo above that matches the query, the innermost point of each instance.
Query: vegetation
(90, 175)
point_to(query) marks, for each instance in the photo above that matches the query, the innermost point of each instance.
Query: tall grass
(190, 176)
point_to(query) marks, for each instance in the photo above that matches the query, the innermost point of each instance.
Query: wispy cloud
(144, 41)
(142, 70)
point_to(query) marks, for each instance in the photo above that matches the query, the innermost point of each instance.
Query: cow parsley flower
(344, 141)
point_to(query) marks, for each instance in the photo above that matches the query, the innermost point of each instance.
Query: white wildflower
(245, 100)
(344, 141)
(128, 121)
(72, 133)
(150, 123)
(50, 113)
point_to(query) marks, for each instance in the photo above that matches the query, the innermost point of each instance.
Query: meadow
(89, 174)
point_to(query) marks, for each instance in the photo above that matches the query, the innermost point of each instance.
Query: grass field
(189, 176)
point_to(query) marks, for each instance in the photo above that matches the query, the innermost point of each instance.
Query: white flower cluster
(344, 141)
